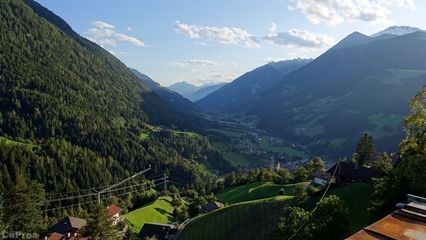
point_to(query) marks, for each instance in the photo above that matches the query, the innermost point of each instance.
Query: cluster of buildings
(70, 228)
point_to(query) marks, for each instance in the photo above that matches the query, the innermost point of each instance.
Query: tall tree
(315, 164)
(22, 205)
(100, 226)
(2, 223)
(409, 176)
(365, 150)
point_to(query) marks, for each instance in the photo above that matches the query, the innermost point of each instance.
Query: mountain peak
(397, 31)
(351, 40)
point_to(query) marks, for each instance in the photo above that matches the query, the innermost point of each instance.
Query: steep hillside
(86, 114)
(362, 84)
(244, 221)
(237, 95)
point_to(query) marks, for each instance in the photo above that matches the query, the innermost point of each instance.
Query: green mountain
(238, 94)
(73, 116)
(363, 84)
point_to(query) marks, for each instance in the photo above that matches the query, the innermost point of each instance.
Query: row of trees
(279, 176)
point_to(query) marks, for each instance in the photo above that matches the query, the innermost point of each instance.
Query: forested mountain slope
(86, 117)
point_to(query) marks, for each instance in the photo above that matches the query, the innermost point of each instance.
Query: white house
(115, 213)
(321, 177)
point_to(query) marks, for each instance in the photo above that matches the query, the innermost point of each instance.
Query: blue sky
(218, 40)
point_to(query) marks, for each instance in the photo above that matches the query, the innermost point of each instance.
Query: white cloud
(273, 27)
(129, 29)
(223, 35)
(194, 62)
(120, 53)
(129, 39)
(300, 38)
(334, 12)
(101, 24)
(216, 77)
(105, 34)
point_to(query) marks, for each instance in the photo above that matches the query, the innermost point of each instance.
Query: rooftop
(68, 224)
(407, 223)
(322, 175)
(113, 209)
(355, 172)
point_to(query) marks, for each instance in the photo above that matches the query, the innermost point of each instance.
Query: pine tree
(3, 226)
(22, 204)
(100, 226)
(365, 151)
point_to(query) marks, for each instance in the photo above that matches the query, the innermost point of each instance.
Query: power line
(120, 183)
(93, 194)
(316, 206)
(93, 201)
(51, 194)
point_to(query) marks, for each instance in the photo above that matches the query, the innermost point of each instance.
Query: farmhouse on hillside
(115, 213)
(67, 228)
(406, 223)
(321, 177)
(210, 206)
(158, 231)
(351, 172)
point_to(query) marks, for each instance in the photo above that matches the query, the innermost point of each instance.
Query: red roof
(55, 236)
(113, 209)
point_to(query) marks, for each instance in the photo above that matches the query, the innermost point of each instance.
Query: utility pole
(165, 182)
(119, 183)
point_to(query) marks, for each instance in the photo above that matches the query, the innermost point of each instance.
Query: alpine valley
(304, 149)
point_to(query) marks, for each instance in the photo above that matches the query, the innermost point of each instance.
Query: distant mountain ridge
(192, 92)
(166, 94)
(237, 94)
(205, 90)
(397, 31)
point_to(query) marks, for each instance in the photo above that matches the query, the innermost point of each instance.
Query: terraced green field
(256, 191)
(159, 211)
(243, 221)
(241, 160)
